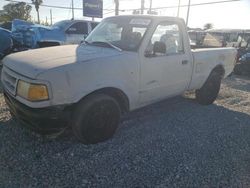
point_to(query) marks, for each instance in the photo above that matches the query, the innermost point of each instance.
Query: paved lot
(175, 143)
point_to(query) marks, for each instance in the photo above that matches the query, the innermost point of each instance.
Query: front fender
(73, 82)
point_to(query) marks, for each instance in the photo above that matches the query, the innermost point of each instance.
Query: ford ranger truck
(127, 62)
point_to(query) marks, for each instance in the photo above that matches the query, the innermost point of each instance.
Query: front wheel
(96, 119)
(208, 93)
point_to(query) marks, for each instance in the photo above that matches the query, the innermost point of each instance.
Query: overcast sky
(226, 15)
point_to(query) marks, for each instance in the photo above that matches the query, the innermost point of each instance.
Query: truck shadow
(176, 136)
(177, 109)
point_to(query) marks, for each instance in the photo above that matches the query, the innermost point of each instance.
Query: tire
(209, 91)
(96, 119)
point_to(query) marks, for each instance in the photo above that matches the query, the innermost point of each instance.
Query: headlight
(32, 92)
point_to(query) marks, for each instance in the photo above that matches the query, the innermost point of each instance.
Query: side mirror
(159, 47)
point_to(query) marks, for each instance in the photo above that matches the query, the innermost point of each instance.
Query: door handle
(184, 62)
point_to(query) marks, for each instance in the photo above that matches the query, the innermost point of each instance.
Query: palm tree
(37, 3)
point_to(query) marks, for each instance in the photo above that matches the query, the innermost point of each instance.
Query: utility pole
(189, 3)
(150, 6)
(51, 17)
(73, 15)
(142, 6)
(38, 17)
(178, 11)
(116, 7)
(37, 3)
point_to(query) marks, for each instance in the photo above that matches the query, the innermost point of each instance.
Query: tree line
(20, 10)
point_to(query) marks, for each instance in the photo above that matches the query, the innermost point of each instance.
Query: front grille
(9, 80)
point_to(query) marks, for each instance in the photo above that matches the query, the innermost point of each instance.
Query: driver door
(167, 72)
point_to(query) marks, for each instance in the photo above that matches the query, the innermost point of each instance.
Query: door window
(78, 28)
(168, 37)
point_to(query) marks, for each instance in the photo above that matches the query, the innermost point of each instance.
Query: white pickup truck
(126, 63)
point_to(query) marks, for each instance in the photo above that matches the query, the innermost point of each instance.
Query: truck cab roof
(152, 17)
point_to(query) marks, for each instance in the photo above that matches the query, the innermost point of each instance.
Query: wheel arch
(219, 69)
(116, 93)
(208, 93)
(199, 78)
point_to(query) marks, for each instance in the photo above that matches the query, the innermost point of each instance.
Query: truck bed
(206, 59)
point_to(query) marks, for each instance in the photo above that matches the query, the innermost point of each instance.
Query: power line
(192, 5)
(52, 6)
(197, 4)
(157, 8)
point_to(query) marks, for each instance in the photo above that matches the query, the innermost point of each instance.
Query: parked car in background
(26, 35)
(6, 43)
(243, 65)
(243, 58)
(61, 33)
(6, 25)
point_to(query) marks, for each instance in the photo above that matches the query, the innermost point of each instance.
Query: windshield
(124, 33)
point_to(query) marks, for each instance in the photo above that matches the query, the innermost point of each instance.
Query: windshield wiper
(106, 42)
(85, 42)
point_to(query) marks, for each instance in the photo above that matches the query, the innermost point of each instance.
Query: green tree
(208, 26)
(37, 3)
(12, 11)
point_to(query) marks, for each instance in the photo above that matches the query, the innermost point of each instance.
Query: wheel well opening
(219, 70)
(117, 94)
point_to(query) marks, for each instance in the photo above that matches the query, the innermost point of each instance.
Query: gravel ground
(175, 143)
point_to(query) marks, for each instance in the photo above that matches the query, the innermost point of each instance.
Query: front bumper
(42, 120)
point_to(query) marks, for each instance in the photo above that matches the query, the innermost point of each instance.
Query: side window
(166, 40)
(78, 28)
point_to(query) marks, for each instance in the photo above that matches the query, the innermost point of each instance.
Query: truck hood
(33, 62)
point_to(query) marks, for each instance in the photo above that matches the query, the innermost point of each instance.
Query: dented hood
(33, 62)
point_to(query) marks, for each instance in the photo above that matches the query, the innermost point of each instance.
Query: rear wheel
(96, 119)
(209, 91)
